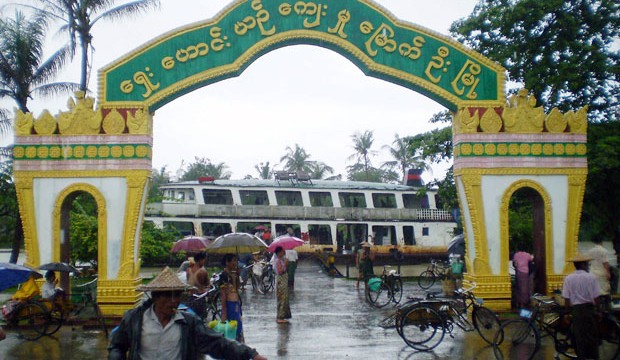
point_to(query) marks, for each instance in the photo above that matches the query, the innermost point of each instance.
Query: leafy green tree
(362, 143)
(404, 157)
(156, 244)
(11, 232)
(600, 217)
(296, 159)
(204, 167)
(23, 72)
(264, 170)
(561, 50)
(320, 170)
(84, 238)
(159, 178)
(357, 172)
(78, 17)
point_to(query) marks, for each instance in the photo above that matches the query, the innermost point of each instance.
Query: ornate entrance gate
(106, 151)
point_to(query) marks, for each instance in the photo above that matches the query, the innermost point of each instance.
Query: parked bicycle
(423, 323)
(209, 302)
(387, 288)
(523, 336)
(436, 271)
(263, 277)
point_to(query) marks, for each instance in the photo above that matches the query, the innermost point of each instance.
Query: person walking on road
(282, 295)
(580, 292)
(292, 257)
(599, 267)
(521, 262)
(157, 330)
(365, 266)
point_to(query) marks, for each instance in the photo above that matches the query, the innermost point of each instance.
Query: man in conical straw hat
(157, 330)
(580, 292)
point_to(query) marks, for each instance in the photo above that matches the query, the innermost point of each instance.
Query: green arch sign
(368, 35)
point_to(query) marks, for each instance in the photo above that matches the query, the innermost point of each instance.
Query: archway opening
(79, 233)
(527, 233)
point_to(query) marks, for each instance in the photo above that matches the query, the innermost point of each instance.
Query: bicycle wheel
(55, 320)
(486, 323)
(563, 343)
(31, 320)
(214, 310)
(379, 298)
(609, 348)
(516, 339)
(422, 328)
(100, 318)
(460, 319)
(270, 281)
(426, 279)
(397, 289)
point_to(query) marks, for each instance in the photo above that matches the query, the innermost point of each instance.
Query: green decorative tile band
(82, 152)
(521, 149)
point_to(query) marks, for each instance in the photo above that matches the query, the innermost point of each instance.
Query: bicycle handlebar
(87, 284)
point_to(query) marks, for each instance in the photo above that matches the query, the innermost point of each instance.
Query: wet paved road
(331, 320)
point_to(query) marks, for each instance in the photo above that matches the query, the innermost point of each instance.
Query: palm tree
(264, 170)
(404, 158)
(80, 16)
(22, 74)
(362, 144)
(296, 160)
(22, 69)
(318, 170)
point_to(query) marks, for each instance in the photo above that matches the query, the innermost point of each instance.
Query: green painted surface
(502, 149)
(82, 152)
(435, 66)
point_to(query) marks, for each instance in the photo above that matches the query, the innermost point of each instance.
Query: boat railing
(296, 212)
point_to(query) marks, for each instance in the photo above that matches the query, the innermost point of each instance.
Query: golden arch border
(504, 222)
(102, 253)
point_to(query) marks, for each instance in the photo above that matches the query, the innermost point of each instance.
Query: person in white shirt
(599, 267)
(292, 257)
(49, 289)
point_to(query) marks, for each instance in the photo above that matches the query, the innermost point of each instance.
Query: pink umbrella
(190, 244)
(287, 242)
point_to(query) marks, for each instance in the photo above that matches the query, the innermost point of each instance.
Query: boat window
(414, 201)
(384, 235)
(425, 231)
(217, 197)
(352, 200)
(254, 197)
(321, 199)
(191, 194)
(350, 235)
(320, 234)
(181, 196)
(289, 198)
(281, 229)
(382, 201)
(408, 235)
(215, 229)
(184, 227)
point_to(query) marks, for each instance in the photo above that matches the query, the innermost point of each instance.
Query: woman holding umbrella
(281, 265)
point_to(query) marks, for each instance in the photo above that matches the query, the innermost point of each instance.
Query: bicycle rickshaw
(33, 316)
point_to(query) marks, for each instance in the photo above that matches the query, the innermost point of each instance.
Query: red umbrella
(287, 242)
(190, 244)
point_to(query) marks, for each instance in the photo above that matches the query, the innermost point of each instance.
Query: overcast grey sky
(300, 94)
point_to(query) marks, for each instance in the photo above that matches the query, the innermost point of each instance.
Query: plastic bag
(226, 328)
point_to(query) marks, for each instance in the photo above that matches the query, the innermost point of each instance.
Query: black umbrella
(59, 266)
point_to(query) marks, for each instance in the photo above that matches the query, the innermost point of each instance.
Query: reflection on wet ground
(330, 320)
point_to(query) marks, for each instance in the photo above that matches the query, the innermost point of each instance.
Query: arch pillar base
(117, 296)
(495, 290)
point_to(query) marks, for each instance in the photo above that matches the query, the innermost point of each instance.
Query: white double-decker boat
(331, 215)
